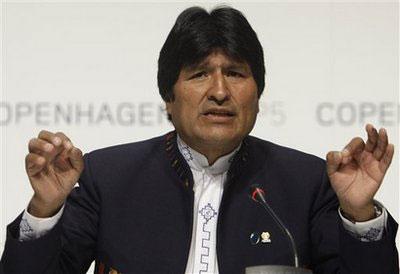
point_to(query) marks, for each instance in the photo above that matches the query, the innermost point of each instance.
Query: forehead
(217, 58)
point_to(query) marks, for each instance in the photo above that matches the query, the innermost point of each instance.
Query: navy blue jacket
(133, 212)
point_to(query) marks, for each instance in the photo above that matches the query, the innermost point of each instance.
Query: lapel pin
(113, 271)
(254, 238)
(265, 237)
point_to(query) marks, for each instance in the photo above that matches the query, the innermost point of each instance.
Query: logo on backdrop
(349, 113)
(149, 114)
(87, 114)
(145, 113)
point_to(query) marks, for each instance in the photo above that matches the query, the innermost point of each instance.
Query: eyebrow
(206, 66)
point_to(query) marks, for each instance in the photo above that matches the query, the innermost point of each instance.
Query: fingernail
(48, 147)
(41, 160)
(56, 141)
(68, 145)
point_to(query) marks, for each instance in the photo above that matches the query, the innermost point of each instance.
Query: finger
(353, 149)
(60, 141)
(76, 159)
(50, 137)
(381, 145)
(34, 163)
(333, 161)
(67, 147)
(43, 148)
(387, 158)
(66, 142)
(39, 146)
(62, 161)
(63, 137)
(372, 138)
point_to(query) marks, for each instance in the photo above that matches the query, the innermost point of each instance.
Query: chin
(221, 138)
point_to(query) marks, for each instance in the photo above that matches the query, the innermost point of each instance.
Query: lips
(219, 112)
(219, 116)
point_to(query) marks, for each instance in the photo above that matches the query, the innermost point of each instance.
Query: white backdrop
(89, 70)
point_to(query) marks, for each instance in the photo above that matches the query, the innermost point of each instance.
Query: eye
(199, 75)
(233, 73)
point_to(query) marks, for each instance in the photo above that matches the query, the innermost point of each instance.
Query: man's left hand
(357, 172)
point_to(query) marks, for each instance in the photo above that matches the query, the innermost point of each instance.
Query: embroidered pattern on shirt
(208, 213)
(187, 154)
(370, 236)
(26, 230)
(25, 227)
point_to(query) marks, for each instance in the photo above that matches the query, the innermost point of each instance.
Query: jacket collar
(181, 167)
(199, 162)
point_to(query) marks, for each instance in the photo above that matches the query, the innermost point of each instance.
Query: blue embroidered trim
(26, 230)
(208, 213)
(187, 153)
(24, 227)
(370, 236)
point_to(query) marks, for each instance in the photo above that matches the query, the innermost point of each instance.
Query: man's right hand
(53, 166)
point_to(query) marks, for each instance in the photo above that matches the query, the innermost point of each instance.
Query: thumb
(333, 161)
(76, 159)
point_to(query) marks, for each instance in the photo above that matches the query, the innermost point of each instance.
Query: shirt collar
(199, 162)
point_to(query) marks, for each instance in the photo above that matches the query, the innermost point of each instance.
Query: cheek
(250, 105)
(248, 98)
(191, 101)
(249, 113)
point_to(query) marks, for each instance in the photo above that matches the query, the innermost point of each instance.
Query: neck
(211, 150)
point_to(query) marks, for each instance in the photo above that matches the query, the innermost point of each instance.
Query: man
(179, 203)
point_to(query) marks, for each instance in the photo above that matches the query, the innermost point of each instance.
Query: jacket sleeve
(335, 250)
(70, 246)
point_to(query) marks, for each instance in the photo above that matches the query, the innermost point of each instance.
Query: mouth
(219, 113)
(219, 116)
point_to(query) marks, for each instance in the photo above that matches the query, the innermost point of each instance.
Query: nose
(219, 90)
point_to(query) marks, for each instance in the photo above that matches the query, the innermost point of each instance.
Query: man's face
(215, 103)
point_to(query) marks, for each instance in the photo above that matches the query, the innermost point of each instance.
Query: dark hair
(197, 33)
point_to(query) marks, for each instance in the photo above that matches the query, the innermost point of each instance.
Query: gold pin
(113, 271)
(265, 237)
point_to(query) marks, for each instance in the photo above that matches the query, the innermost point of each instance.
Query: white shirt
(208, 188)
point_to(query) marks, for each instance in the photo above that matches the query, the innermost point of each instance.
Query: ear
(168, 107)
(258, 106)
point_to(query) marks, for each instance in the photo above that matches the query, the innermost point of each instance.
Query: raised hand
(357, 172)
(53, 166)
